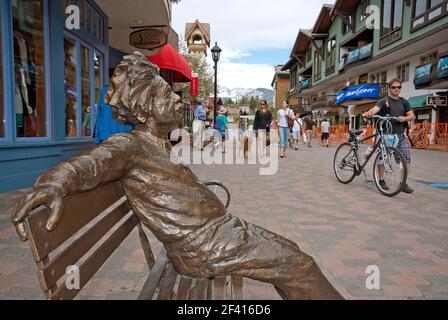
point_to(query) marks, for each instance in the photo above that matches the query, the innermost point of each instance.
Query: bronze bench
(94, 224)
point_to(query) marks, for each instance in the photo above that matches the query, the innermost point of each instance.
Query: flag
(194, 85)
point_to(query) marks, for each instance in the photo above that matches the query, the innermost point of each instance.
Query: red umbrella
(169, 58)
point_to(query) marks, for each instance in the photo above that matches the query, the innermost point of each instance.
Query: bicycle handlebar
(383, 118)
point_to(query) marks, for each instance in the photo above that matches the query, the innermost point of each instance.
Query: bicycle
(388, 162)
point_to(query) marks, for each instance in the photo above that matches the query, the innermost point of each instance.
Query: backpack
(217, 125)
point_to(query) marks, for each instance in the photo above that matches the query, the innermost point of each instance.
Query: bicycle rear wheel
(344, 163)
(391, 166)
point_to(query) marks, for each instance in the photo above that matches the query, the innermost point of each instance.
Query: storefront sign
(365, 51)
(422, 74)
(194, 85)
(442, 68)
(371, 91)
(148, 39)
(441, 101)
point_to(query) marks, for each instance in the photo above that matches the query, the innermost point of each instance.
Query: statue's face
(166, 109)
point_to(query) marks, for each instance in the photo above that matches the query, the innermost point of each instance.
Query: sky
(254, 35)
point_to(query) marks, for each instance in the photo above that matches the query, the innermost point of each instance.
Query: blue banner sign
(368, 90)
(365, 51)
(442, 68)
(422, 74)
(305, 83)
(353, 56)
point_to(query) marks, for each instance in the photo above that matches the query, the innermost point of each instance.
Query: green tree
(243, 101)
(229, 102)
(252, 104)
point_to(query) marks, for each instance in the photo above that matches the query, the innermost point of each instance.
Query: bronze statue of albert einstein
(201, 238)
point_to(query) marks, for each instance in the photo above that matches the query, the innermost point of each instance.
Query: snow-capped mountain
(239, 93)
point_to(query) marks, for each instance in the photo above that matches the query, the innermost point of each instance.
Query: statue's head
(138, 95)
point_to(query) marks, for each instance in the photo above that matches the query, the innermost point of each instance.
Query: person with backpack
(395, 106)
(285, 121)
(221, 125)
(309, 125)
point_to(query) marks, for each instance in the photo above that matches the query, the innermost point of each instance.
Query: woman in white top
(283, 128)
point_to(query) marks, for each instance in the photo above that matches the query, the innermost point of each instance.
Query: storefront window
(71, 96)
(29, 68)
(98, 65)
(86, 94)
(2, 112)
(88, 18)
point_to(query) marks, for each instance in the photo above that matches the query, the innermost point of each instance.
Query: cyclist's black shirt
(394, 108)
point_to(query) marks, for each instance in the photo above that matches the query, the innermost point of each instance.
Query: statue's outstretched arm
(105, 163)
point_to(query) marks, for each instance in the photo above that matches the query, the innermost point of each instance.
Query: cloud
(244, 27)
(249, 24)
(240, 75)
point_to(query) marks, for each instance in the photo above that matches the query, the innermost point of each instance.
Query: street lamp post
(216, 52)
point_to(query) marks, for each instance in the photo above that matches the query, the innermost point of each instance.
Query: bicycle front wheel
(344, 163)
(390, 171)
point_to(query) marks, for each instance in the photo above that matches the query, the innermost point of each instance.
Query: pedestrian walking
(222, 123)
(309, 126)
(200, 116)
(262, 126)
(325, 125)
(284, 114)
(297, 131)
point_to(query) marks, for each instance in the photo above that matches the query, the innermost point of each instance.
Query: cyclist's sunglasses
(399, 87)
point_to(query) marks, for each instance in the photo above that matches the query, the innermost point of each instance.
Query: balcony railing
(356, 56)
(391, 37)
(326, 101)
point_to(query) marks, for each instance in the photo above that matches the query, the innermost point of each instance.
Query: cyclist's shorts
(403, 146)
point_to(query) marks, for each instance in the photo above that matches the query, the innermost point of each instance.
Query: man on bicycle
(395, 106)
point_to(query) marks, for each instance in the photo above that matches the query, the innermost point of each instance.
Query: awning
(418, 102)
(169, 58)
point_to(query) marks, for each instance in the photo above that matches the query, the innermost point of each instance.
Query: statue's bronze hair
(134, 86)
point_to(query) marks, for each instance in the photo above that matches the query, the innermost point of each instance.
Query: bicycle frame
(355, 147)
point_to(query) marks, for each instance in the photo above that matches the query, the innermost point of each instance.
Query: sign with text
(441, 101)
(422, 74)
(194, 85)
(148, 39)
(442, 68)
(368, 90)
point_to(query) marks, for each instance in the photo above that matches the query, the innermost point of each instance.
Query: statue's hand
(49, 196)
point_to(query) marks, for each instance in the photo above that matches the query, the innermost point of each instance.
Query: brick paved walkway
(344, 227)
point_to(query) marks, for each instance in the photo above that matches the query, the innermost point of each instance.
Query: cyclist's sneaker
(383, 185)
(407, 189)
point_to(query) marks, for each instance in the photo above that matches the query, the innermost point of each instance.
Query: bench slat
(154, 277)
(200, 289)
(184, 288)
(237, 288)
(79, 209)
(97, 259)
(56, 268)
(146, 246)
(219, 288)
(167, 283)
